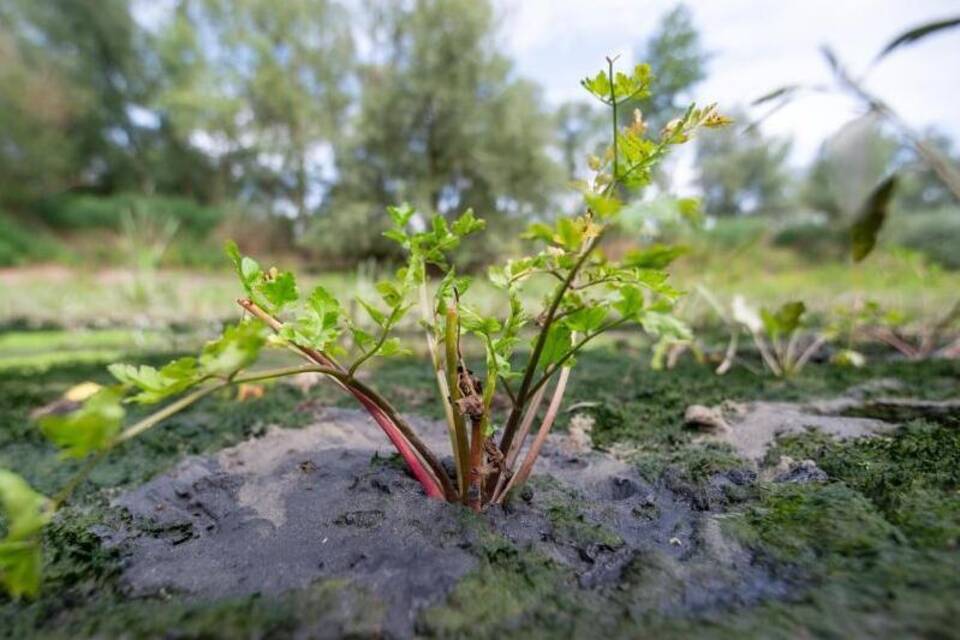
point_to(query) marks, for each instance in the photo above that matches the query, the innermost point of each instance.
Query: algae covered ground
(870, 552)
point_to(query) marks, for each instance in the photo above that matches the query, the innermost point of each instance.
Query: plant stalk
(531, 458)
(442, 386)
(435, 481)
(452, 352)
(509, 429)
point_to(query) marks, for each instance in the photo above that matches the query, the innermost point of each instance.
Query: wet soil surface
(297, 507)
(752, 427)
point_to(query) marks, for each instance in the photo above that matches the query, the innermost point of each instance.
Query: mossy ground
(873, 552)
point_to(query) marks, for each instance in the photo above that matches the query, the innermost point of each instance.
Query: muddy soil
(299, 507)
(752, 427)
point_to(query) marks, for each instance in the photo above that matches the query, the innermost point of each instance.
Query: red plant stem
(431, 484)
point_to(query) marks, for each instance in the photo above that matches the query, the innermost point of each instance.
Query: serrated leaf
(471, 320)
(389, 293)
(569, 234)
(279, 289)
(630, 303)
(397, 236)
(784, 320)
(598, 85)
(587, 320)
(375, 314)
(392, 347)
(237, 348)
(88, 429)
(601, 205)
(873, 213)
(401, 214)
(362, 339)
(317, 325)
(21, 567)
(271, 289)
(556, 345)
(26, 513)
(156, 385)
(23, 508)
(497, 275)
(657, 256)
(539, 231)
(440, 230)
(467, 223)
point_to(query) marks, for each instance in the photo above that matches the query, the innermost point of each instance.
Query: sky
(755, 47)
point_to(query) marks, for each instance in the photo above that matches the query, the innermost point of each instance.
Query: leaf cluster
(25, 512)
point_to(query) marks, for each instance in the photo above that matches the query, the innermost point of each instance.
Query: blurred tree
(849, 165)
(104, 60)
(581, 128)
(443, 124)
(39, 109)
(263, 87)
(99, 48)
(920, 187)
(678, 60)
(742, 172)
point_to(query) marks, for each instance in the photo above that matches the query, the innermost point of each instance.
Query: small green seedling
(778, 336)
(493, 454)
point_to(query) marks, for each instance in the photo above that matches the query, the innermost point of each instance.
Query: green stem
(442, 387)
(613, 105)
(523, 394)
(573, 351)
(372, 352)
(452, 352)
(174, 407)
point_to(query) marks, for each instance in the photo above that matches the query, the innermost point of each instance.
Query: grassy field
(68, 298)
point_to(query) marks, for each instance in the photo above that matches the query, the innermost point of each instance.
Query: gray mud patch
(753, 426)
(299, 507)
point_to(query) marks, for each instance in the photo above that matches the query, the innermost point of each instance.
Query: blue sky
(756, 45)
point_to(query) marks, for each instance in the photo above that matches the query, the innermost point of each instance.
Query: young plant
(493, 454)
(778, 336)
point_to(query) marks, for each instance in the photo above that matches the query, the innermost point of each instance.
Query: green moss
(79, 576)
(498, 595)
(815, 525)
(695, 463)
(571, 525)
(320, 610)
(912, 477)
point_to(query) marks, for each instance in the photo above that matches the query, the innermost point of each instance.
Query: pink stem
(403, 447)
(430, 484)
(552, 410)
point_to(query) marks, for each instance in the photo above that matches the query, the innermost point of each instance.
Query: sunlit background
(138, 136)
